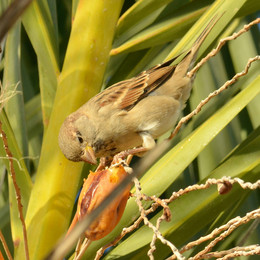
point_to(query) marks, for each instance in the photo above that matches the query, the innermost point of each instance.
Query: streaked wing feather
(128, 92)
(153, 80)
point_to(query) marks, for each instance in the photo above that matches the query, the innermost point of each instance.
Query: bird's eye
(80, 139)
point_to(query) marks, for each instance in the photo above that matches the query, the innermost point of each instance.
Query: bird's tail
(188, 61)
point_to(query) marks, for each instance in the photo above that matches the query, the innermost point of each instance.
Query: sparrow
(129, 116)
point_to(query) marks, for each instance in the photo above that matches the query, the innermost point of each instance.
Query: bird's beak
(89, 156)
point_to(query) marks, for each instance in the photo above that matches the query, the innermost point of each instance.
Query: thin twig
(17, 190)
(150, 225)
(210, 182)
(21, 159)
(152, 244)
(213, 94)
(229, 228)
(15, 159)
(220, 45)
(86, 243)
(234, 223)
(227, 253)
(165, 216)
(255, 251)
(79, 244)
(163, 203)
(6, 95)
(5, 246)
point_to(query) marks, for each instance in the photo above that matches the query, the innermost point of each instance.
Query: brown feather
(128, 92)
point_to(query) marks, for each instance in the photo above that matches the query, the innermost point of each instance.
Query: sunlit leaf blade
(39, 26)
(34, 128)
(160, 33)
(12, 87)
(57, 178)
(139, 16)
(3, 6)
(74, 7)
(226, 9)
(4, 216)
(34, 116)
(170, 29)
(249, 7)
(137, 12)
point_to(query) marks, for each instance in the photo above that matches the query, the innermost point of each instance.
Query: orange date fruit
(95, 189)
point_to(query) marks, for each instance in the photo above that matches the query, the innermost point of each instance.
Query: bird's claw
(121, 158)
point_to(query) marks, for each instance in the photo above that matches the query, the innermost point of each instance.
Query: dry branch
(165, 216)
(157, 233)
(234, 252)
(227, 229)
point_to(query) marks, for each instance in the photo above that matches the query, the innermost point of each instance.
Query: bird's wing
(126, 94)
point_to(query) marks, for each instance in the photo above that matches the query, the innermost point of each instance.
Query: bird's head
(75, 138)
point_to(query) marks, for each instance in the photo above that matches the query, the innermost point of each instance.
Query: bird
(127, 117)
